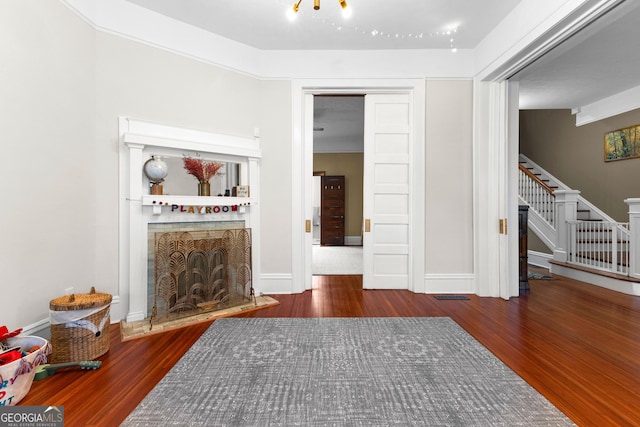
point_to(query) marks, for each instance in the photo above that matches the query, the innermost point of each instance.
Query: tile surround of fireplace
(141, 213)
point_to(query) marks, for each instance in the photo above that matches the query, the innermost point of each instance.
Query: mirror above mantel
(179, 182)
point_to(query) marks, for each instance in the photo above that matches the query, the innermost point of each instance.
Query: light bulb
(291, 14)
(346, 10)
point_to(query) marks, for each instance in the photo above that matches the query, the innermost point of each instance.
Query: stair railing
(600, 245)
(538, 195)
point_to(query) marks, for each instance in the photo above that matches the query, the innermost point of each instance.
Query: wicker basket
(79, 326)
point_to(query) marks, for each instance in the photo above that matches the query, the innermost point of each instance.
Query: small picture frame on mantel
(240, 191)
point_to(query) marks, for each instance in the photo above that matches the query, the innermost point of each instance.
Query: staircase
(586, 243)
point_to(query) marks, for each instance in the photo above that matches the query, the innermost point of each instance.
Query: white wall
(147, 83)
(48, 158)
(63, 86)
(274, 103)
(70, 116)
(449, 178)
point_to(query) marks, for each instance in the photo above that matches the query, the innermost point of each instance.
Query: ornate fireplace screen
(201, 271)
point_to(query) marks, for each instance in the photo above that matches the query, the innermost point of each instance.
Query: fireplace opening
(198, 271)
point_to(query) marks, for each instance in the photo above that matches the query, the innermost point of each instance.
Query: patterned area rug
(342, 372)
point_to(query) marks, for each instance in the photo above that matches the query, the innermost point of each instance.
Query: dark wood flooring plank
(575, 343)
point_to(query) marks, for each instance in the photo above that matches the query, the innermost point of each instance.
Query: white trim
(626, 287)
(273, 283)
(164, 136)
(512, 123)
(607, 107)
(36, 327)
(495, 160)
(531, 30)
(486, 186)
(449, 284)
(132, 22)
(136, 23)
(539, 259)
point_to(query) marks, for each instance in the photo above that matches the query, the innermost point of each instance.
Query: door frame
(302, 168)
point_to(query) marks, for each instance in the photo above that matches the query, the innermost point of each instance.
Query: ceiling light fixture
(447, 34)
(291, 13)
(346, 10)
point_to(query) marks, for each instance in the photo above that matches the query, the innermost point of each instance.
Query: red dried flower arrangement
(203, 170)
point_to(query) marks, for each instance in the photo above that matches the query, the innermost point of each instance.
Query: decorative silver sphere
(155, 169)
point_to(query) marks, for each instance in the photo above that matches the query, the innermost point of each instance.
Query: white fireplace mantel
(138, 141)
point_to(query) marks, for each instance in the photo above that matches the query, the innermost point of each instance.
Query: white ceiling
(400, 24)
(338, 123)
(598, 62)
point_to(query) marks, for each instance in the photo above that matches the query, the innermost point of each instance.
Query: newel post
(634, 237)
(566, 209)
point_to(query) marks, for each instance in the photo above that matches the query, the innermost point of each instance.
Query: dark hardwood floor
(577, 344)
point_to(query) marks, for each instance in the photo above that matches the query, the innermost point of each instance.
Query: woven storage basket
(79, 326)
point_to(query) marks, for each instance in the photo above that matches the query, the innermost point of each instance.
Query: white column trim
(566, 209)
(493, 198)
(634, 237)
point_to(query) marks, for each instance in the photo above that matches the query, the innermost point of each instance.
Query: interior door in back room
(332, 209)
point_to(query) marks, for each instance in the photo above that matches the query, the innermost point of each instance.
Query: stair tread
(592, 233)
(594, 271)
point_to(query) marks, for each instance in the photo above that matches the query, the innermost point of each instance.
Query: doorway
(304, 92)
(338, 159)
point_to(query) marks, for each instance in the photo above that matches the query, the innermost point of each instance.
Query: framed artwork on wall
(622, 144)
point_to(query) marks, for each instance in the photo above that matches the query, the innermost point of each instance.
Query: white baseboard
(275, 284)
(630, 288)
(539, 259)
(40, 328)
(449, 284)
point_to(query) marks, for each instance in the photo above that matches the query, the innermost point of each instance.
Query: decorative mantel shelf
(173, 203)
(139, 141)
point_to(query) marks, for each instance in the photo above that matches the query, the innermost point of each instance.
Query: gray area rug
(342, 372)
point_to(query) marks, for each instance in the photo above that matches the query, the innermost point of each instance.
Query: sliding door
(387, 197)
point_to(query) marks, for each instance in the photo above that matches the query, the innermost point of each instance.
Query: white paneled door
(387, 195)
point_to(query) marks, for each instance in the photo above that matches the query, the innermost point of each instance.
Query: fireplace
(208, 246)
(197, 271)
